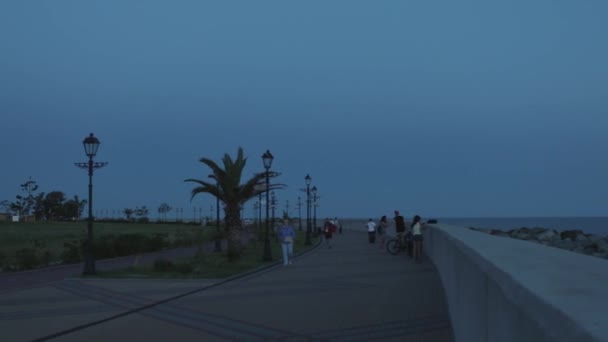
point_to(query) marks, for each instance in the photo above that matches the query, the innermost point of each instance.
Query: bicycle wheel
(392, 246)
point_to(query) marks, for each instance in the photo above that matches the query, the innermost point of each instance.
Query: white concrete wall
(502, 289)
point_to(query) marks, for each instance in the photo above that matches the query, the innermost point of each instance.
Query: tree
(54, 205)
(73, 208)
(128, 212)
(39, 206)
(163, 209)
(141, 212)
(226, 185)
(23, 204)
(6, 205)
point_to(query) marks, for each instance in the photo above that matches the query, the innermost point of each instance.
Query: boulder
(602, 246)
(522, 235)
(547, 235)
(565, 244)
(590, 248)
(483, 230)
(570, 234)
(497, 232)
(538, 230)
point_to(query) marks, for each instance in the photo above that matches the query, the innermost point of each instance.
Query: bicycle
(396, 245)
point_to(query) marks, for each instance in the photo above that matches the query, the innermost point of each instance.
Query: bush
(2, 261)
(26, 258)
(163, 265)
(71, 252)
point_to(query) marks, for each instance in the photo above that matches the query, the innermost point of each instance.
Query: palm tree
(227, 187)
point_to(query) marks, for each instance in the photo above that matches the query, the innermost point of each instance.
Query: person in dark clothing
(400, 230)
(399, 225)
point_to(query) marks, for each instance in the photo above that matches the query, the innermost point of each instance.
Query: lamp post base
(89, 265)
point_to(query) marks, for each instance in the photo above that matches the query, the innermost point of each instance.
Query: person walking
(287, 236)
(371, 231)
(328, 229)
(338, 225)
(382, 230)
(417, 227)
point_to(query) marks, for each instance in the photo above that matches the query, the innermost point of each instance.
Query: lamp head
(267, 158)
(91, 144)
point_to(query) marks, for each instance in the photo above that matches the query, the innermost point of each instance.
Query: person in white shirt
(417, 227)
(338, 225)
(371, 230)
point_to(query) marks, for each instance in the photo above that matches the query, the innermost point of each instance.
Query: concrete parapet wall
(501, 289)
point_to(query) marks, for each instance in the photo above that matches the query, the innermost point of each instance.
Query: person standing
(371, 231)
(338, 225)
(287, 236)
(417, 237)
(382, 229)
(399, 225)
(328, 230)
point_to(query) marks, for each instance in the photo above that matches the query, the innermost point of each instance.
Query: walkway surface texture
(353, 291)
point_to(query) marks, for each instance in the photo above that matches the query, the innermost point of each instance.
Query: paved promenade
(351, 292)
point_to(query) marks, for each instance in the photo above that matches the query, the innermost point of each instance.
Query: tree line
(54, 205)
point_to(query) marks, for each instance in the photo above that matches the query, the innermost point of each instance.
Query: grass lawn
(212, 265)
(49, 237)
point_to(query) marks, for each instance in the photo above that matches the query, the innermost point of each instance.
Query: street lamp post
(267, 159)
(218, 240)
(307, 179)
(314, 205)
(299, 205)
(273, 205)
(260, 212)
(91, 145)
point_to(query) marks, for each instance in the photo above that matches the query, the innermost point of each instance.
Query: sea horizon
(588, 224)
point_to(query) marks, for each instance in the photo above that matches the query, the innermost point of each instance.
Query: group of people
(411, 234)
(287, 235)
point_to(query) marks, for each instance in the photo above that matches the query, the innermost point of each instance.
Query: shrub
(71, 252)
(163, 265)
(26, 258)
(2, 260)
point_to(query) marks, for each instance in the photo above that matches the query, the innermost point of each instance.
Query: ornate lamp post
(314, 205)
(218, 240)
(287, 207)
(256, 218)
(273, 205)
(260, 212)
(299, 205)
(307, 179)
(91, 145)
(267, 159)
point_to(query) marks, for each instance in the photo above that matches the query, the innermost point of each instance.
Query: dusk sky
(438, 108)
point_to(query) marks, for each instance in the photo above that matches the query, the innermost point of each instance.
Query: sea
(589, 225)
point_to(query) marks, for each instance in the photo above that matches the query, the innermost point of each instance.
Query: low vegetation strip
(28, 245)
(211, 265)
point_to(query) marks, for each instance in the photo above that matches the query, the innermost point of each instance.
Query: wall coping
(562, 290)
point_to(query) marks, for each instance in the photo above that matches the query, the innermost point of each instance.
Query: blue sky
(441, 108)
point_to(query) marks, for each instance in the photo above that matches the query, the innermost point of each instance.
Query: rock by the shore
(571, 240)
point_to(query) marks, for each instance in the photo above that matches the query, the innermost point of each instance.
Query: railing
(502, 289)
